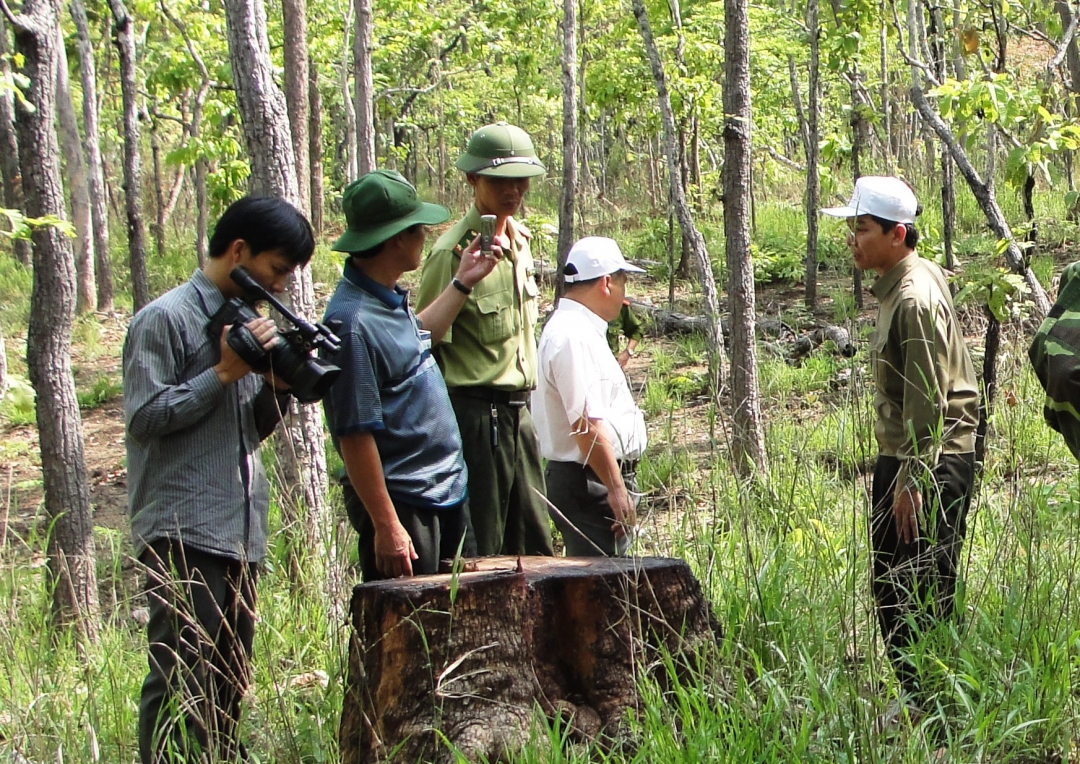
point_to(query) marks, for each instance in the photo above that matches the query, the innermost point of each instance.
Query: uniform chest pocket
(496, 316)
(879, 362)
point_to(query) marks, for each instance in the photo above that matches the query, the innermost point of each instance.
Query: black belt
(516, 398)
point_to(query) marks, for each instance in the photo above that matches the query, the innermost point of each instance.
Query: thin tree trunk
(986, 401)
(78, 190)
(682, 209)
(48, 340)
(202, 216)
(569, 136)
(858, 143)
(748, 438)
(315, 156)
(365, 88)
(294, 16)
(301, 453)
(352, 161)
(124, 37)
(159, 192)
(813, 181)
(9, 149)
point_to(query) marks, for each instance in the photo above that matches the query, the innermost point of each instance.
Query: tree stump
(465, 661)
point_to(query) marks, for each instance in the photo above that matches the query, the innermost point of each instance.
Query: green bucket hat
(502, 151)
(380, 205)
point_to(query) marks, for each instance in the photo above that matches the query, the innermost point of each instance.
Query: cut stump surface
(467, 661)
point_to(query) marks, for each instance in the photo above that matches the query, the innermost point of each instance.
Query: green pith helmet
(502, 151)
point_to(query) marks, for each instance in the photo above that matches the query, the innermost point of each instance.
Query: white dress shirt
(578, 376)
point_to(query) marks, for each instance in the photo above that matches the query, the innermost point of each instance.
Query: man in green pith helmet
(488, 356)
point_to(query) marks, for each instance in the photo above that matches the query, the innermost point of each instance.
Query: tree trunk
(294, 16)
(78, 190)
(124, 37)
(813, 181)
(48, 340)
(465, 660)
(985, 198)
(858, 144)
(301, 453)
(158, 227)
(95, 169)
(748, 441)
(9, 150)
(365, 88)
(348, 105)
(682, 209)
(989, 376)
(569, 137)
(3, 370)
(315, 189)
(202, 214)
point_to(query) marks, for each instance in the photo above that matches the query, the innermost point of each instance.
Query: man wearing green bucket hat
(389, 414)
(488, 356)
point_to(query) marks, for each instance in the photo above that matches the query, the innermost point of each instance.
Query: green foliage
(997, 289)
(17, 403)
(103, 390)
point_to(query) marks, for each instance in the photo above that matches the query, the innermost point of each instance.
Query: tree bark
(95, 168)
(748, 438)
(813, 181)
(682, 209)
(365, 88)
(348, 104)
(78, 189)
(302, 452)
(315, 156)
(124, 37)
(9, 150)
(995, 218)
(294, 16)
(466, 659)
(48, 340)
(569, 136)
(158, 226)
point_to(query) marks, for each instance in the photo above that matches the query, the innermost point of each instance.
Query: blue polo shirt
(391, 387)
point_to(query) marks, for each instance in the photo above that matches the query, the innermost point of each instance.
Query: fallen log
(447, 663)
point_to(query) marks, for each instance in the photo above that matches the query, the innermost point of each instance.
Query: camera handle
(317, 335)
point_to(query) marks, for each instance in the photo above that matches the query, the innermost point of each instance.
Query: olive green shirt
(492, 342)
(926, 397)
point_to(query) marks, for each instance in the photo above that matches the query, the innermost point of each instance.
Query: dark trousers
(202, 622)
(915, 583)
(435, 533)
(586, 516)
(503, 457)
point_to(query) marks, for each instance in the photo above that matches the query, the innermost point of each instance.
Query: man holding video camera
(198, 496)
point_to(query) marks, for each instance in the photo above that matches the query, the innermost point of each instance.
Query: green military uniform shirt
(926, 397)
(492, 341)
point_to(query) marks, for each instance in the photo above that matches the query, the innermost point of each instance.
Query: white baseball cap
(593, 257)
(883, 196)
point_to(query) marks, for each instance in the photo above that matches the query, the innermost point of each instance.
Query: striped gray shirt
(194, 473)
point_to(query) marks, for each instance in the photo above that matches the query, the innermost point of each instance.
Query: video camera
(290, 359)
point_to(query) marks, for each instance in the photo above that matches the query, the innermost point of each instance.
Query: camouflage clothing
(1055, 354)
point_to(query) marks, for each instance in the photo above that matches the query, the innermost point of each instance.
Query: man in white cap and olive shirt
(591, 431)
(926, 400)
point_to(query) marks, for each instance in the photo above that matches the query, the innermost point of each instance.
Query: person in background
(626, 324)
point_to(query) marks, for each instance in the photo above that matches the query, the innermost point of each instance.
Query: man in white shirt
(590, 430)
